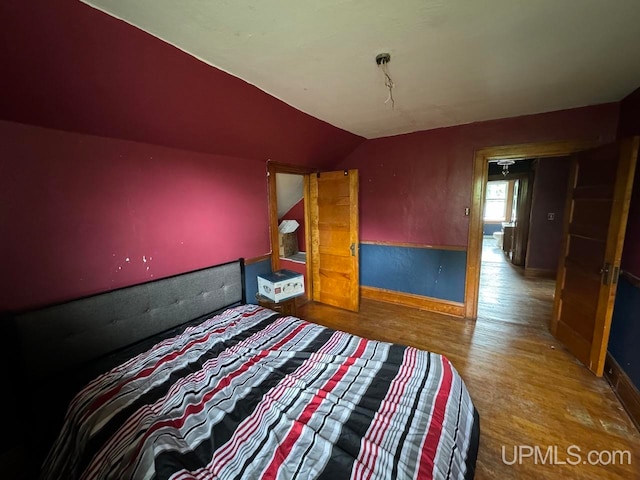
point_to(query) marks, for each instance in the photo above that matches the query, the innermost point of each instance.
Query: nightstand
(285, 307)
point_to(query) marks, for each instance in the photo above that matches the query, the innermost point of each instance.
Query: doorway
(292, 228)
(593, 234)
(522, 239)
(331, 218)
(288, 200)
(480, 180)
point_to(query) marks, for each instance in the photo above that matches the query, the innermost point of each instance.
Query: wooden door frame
(480, 178)
(274, 168)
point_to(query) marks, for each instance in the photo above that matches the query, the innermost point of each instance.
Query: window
(495, 205)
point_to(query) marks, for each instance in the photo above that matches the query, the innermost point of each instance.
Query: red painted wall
(297, 213)
(414, 187)
(630, 125)
(68, 66)
(549, 195)
(75, 207)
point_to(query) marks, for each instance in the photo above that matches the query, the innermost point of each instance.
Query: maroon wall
(75, 207)
(414, 187)
(297, 213)
(68, 66)
(630, 125)
(549, 196)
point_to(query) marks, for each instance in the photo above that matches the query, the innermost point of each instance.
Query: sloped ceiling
(68, 66)
(452, 61)
(289, 190)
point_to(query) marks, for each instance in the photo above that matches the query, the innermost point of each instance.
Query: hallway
(507, 295)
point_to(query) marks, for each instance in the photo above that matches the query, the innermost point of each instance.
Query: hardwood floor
(505, 290)
(527, 388)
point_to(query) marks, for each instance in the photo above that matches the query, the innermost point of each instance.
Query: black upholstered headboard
(60, 337)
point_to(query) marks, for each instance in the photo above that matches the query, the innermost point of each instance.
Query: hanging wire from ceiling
(383, 60)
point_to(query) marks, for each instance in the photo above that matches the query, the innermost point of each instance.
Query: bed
(187, 381)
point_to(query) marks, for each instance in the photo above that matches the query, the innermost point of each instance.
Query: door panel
(580, 315)
(577, 345)
(335, 217)
(585, 253)
(591, 218)
(579, 281)
(600, 187)
(335, 239)
(333, 242)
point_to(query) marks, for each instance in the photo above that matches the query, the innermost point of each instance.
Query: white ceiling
(452, 61)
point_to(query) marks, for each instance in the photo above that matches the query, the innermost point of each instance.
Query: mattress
(253, 394)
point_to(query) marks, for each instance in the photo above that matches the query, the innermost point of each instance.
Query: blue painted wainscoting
(491, 228)
(624, 339)
(429, 272)
(251, 272)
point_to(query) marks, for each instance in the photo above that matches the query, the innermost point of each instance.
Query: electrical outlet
(466, 211)
(551, 216)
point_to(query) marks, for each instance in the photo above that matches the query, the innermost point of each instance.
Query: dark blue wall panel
(421, 271)
(624, 340)
(490, 228)
(251, 273)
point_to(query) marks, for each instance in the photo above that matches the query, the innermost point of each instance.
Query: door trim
(479, 182)
(272, 169)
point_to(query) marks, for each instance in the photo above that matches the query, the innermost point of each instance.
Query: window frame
(507, 202)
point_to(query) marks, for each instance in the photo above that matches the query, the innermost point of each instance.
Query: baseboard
(624, 389)
(417, 301)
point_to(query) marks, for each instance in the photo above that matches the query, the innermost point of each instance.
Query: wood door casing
(478, 185)
(335, 238)
(597, 208)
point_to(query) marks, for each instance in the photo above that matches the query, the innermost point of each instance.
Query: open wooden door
(600, 187)
(335, 238)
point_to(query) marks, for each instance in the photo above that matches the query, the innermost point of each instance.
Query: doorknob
(353, 249)
(604, 272)
(609, 274)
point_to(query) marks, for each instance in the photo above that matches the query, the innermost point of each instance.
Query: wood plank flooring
(527, 388)
(505, 290)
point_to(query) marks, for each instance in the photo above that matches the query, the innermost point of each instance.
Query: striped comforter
(251, 394)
